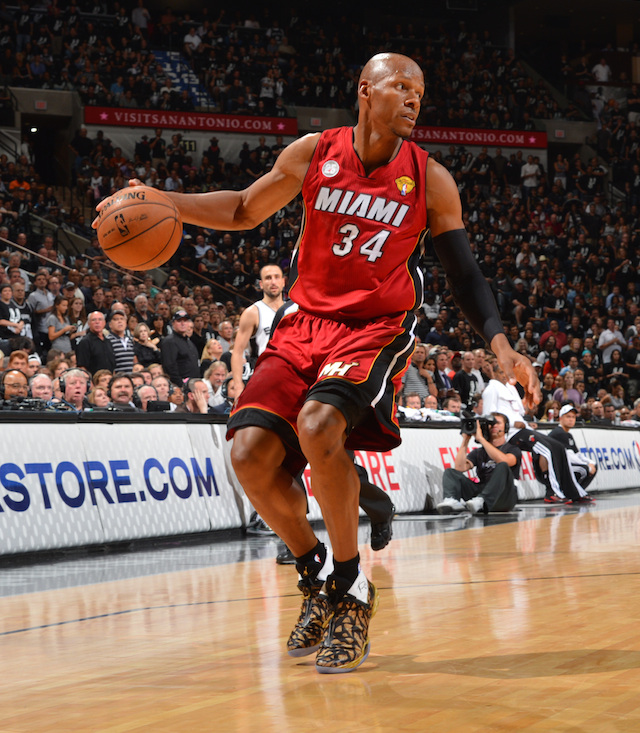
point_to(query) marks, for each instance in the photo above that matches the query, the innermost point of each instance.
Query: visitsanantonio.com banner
(493, 138)
(196, 121)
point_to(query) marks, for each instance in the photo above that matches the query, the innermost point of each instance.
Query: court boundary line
(195, 604)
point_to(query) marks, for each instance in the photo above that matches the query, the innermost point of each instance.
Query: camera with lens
(469, 424)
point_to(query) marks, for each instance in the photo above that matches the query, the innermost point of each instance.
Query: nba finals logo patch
(405, 185)
(330, 169)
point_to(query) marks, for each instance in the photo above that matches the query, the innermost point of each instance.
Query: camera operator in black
(497, 465)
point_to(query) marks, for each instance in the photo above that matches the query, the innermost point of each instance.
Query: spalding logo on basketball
(139, 228)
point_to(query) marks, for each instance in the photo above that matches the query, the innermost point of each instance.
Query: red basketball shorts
(357, 366)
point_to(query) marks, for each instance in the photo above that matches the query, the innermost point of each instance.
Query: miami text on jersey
(337, 201)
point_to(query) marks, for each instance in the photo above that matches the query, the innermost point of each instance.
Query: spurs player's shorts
(357, 366)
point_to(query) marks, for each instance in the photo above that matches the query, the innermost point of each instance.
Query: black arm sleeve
(470, 290)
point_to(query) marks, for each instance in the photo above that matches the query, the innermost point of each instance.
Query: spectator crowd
(563, 262)
(563, 266)
(259, 65)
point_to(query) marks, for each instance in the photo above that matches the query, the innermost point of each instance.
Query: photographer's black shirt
(486, 465)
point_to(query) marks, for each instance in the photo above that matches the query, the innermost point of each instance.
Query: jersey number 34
(371, 249)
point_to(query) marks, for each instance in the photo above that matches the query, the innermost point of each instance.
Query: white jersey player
(255, 322)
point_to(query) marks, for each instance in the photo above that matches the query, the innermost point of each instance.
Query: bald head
(383, 65)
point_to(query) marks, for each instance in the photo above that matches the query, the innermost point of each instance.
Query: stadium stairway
(183, 77)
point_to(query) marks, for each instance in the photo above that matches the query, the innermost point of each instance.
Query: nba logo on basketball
(121, 224)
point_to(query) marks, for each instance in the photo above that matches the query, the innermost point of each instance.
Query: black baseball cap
(181, 315)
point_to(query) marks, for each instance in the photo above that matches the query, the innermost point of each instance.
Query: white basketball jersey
(265, 321)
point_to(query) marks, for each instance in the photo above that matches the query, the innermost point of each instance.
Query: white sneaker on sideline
(450, 506)
(475, 505)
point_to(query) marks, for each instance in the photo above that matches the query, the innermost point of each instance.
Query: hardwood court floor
(530, 625)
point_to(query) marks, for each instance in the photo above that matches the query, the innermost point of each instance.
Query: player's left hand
(519, 369)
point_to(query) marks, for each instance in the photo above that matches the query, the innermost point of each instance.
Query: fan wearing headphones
(120, 392)
(13, 385)
(166, 390)
(41, 387)
(74, 385)
(228, 392)
(143, 395)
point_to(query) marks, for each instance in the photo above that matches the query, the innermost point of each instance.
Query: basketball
(139, 228)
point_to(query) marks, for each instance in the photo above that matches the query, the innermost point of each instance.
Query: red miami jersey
(357, 255)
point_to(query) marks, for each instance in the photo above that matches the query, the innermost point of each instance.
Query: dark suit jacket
(94, 353)
(441, 386)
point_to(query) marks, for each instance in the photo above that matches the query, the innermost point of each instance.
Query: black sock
(310, 564)
(343, 575)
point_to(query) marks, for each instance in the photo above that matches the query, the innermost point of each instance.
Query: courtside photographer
(497, 465)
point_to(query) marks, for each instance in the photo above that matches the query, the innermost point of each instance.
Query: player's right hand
(103, 203)
(519, 369)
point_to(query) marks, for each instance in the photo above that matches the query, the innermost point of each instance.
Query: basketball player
(255, 322)
(255, 327)
(328, 378)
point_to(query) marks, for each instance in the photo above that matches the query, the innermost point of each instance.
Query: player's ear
(364, 88)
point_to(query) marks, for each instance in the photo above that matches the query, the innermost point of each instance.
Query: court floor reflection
(34, 573)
